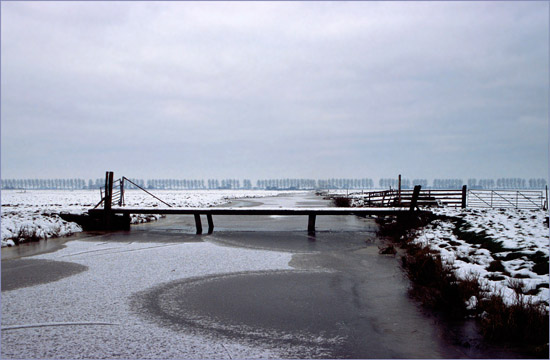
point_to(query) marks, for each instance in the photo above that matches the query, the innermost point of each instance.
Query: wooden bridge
(311, 213)
(119, 217)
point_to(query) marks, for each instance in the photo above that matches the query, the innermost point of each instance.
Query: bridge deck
(260, 211)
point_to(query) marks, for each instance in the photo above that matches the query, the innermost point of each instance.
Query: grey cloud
(315, 88)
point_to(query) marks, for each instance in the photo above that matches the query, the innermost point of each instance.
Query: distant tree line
(421, 182)
(507, 183)
(364, 183)
(447, 183)
(301, 184)
(275, 184)
(47, 184)
(391, 183)
(501, 183)
(230, 184)
(175, 184)
(481, 183)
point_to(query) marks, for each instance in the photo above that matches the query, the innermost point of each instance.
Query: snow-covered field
(34, 212)
(515, 241)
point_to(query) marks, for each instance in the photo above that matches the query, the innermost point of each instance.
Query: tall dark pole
(399, 191)
(546, 202)
(464, 193)
(108, 199)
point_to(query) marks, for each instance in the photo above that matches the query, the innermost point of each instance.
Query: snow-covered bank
(503, 247)
(33, 213)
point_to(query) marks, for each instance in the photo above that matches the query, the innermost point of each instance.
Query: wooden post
(108, 199)
(311, 224)
(198, 223)
(414, 199)
(210, 223)
(545, 207)
(464, 193)
(121, 201)
(108, 191)
(399, 191)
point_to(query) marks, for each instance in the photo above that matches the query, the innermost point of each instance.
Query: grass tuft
(523, 322)
(26, 234)
(435, 284)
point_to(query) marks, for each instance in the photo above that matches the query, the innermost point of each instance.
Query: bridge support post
(198, 223)
(210, 223)
(311, 224)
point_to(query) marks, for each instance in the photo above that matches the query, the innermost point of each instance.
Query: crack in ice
(26, 326)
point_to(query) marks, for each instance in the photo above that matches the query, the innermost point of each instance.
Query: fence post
(399, 193)
(121, 201)
(546, 202)
(464, 192)
(414, 199)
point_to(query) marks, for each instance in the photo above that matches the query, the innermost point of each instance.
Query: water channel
(341, 299)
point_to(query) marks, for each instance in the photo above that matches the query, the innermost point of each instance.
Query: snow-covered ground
(516, 238)
(35, 211)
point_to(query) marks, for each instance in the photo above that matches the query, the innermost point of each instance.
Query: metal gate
(517, 199)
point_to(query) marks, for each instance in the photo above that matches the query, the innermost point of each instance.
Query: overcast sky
(274, 89)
